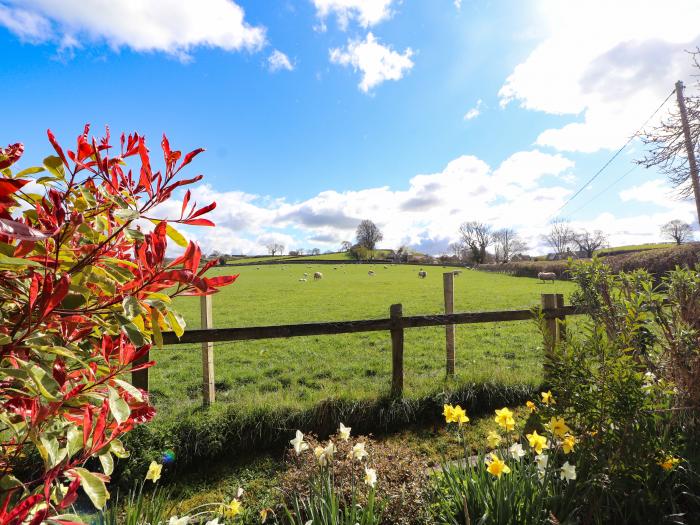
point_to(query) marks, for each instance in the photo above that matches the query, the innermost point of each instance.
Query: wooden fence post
(448, 288)
(208, 389)
(561, 320)
(549, 302)
(396, 313)
(140, 378)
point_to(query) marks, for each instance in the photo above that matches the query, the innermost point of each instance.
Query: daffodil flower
(537, 442)
(370, 477)
(496, 466)
(504, 418)
(531, 406)
(568, 472)
(548, 398)
(154, 470)
(516, 451)
(669, 463)
(493, 439)
(215, 521)
(174, 520)
(558, 426)
(298, 443)
(233, 509)
(358, 452)
(344, 432)
(325, 455)
(542, 460)
(568, 443)
(460, 416)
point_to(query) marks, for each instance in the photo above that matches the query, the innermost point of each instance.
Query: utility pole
(689, 145)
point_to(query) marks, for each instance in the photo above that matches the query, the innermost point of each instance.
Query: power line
(634, 167)
(611, 159)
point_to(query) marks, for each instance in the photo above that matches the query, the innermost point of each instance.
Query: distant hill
(618, 250)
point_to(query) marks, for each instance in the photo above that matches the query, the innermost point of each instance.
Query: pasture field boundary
(312, 262)
(552, 311)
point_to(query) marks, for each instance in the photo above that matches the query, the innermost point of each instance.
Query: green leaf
(93, 486)
(134, 234)
(29, 171)
(15, 263)
(75, 440)
(107, 463)
(120, 408)
(46, 384)
(5, 339)
(131, 389)
(117, 448)
(131, 307)
(177, 323)
(127, 214)
(131, 330)
(157, 334)
(72, 301)
(54, 165)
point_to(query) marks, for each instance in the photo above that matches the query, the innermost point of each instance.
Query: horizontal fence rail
(552, 310)
(217, 335)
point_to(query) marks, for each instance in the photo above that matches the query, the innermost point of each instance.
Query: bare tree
(477, 236)
(560, 237)
(589, 242)
(677, 230)
(457, 249)
(666, 142)
(368, 234)
(274, 248)
(345, 246)
(315, 251)
(507, 243)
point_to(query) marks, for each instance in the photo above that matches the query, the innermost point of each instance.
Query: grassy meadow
(299, 373)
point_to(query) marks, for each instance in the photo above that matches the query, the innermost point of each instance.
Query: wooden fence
(552, 309)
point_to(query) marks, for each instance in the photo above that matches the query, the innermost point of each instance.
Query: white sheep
(370, 273)
(547, 276)
(302, 280)
(317, 276)
(422, 274)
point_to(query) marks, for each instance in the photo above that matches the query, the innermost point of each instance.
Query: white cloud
(278, 61)
(474, 112)
(458, 4)
(375, 61)
(608, 63)
(366, 12)
(169, 26)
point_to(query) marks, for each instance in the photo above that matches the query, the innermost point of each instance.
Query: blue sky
(318, 113)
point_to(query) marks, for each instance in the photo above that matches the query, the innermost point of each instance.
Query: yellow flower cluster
(455, 414)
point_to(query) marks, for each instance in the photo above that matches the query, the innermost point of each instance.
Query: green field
(299, 373)
(634, 247)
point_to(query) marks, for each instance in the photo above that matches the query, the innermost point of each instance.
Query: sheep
(385, 267)
(306, 274)
(370, 273)
(457, 272)
(422, 274)
(317, 276)
(302, 280)
(547, 276)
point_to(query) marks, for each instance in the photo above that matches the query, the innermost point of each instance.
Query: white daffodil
(174, 520)
(344, 432)
(299, 444)
(568, 472)
(215, 521)
(516, 451)
(541, 460)
(325, 455)
(358, 452)
(370, 477)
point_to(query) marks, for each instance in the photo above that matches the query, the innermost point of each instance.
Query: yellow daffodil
(567, 444)
(233, 509)
(669, 463)
(504, 418)
(531, 406)
(558, 426)
(263, 515)
(493, 439)
(537, 442)
(448, 411)
(548, 398)
(370, 477)
(459, 415)
(344, 432)
(154, 470)
(497, 466)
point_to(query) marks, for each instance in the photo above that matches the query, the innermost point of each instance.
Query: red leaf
(18, 230)
(56, 146)
(87, 424)
(10, 186)
(13, 152)
(34, 289)
(198, 222)
(222, 280)
(188, 158)
(202, 211)
(59, 293)
(185, 202)
(146, 175)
